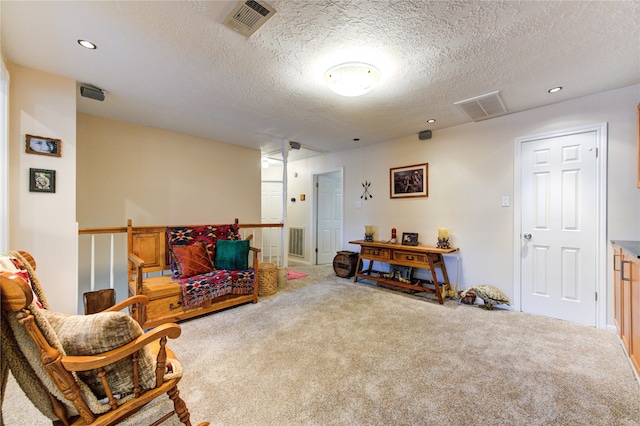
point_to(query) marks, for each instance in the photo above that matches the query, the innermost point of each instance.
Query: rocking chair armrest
(139, 299)
(90, 362)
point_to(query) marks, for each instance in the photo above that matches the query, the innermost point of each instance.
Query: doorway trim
(313, 257)
(601, 214)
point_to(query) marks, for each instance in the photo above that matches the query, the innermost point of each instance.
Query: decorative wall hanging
(43, 146)
(366, 194)
(41, 180)
(409, 181)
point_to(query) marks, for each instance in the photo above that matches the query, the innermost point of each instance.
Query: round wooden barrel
(345, 263)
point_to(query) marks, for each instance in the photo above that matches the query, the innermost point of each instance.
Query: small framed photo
(41, 180)
(409, 239)
(43, 146)
(409, 181)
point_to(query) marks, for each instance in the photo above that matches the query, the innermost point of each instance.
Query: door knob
(527, 236)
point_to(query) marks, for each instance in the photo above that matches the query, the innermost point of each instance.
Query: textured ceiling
(174, 65)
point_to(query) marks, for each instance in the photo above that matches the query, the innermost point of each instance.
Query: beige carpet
(326, 351)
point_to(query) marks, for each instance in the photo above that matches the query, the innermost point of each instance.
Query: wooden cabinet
(626, 262)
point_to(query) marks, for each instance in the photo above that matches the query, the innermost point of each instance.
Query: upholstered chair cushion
(102, 332)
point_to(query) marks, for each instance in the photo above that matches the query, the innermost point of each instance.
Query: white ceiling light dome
(352, 78)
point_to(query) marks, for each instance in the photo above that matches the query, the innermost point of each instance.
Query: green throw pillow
(232, 254)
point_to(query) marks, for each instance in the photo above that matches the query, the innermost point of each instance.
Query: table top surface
(398, 246)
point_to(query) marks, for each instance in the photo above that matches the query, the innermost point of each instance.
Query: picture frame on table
(43, 146)
(409, 238)
(42, 180)
(409, 181)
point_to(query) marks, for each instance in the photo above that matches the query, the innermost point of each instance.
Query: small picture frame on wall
(41, 180)
(409, 239)
(43, 146)
(409, 181)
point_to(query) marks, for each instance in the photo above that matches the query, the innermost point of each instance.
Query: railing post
(112, 264)
(93, 262)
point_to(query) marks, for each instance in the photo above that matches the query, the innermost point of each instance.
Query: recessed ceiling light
(352, 78)
(431, 120)
(555, 89)
(87, 44)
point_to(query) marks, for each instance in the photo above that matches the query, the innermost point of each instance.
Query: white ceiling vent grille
(483, 107)
(248, 16)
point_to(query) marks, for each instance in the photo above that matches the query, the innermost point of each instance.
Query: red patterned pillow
(192, 259)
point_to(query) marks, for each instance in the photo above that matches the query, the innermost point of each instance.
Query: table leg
(358, 266)
(434, 276)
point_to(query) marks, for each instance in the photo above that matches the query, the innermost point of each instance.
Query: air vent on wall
(248, 16)
(483, 107)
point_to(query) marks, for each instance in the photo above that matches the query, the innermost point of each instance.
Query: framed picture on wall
(409, 181)
(41, 180)
(43, 146)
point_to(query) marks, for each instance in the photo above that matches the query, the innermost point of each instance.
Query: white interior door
(329, 217)
(558, 245)
(271, 213)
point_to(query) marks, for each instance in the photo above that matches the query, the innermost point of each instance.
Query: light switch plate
(505, 201)
(358, 204)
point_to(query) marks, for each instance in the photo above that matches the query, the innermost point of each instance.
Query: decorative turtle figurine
(489, 294)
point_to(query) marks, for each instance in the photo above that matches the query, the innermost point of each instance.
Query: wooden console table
(420, 256)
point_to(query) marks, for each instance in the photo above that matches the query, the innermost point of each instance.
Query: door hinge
(596, 296)
(317, 185)
(596, 152)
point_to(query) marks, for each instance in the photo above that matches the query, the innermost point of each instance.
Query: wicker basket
(267, 279)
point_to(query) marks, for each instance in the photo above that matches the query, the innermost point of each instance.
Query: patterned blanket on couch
(209, 282)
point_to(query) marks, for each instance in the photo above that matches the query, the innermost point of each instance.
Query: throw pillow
(192, 260)
(98, 333)
(232, 254)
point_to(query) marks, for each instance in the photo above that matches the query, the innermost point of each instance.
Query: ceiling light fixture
(352, 78)
(431, 120)
(555, 89)
(87, 44)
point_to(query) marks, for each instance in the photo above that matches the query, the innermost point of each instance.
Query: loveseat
(187, 271)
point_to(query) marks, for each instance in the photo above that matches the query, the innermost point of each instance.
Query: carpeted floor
(326, 351)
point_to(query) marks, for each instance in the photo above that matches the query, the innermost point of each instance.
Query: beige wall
(470, 169)
(44, 224)
(158, 177)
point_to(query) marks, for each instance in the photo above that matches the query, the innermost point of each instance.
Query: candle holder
(443, 243)
(368, 234)
(443, 238)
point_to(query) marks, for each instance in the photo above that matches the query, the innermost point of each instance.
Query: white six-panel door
(558, 226)
(329, 217)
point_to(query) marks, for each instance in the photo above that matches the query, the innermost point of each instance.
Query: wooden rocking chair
(135, 382)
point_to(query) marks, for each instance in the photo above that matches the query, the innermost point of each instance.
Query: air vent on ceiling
(483, 107)
(248, 16)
